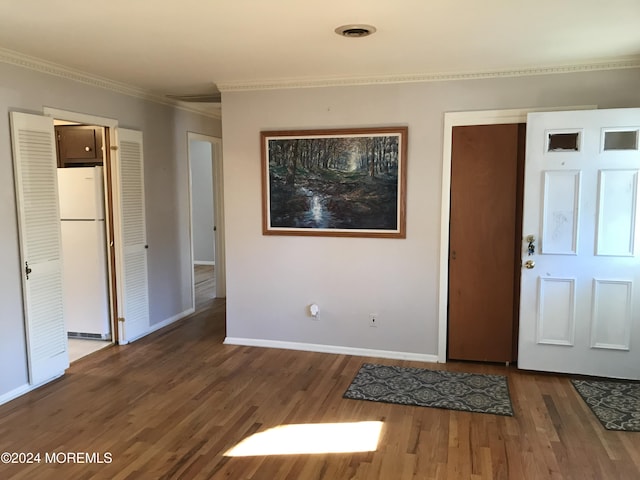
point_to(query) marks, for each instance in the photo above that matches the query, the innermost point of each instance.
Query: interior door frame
(455, 119)
(112, 210)
(218, 213)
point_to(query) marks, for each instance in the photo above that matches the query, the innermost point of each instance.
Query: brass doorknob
(529, 264)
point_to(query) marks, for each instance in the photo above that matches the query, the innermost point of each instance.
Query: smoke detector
(355, 31)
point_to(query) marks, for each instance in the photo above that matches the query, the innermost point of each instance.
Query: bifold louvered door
(133, 300)
(580, 285)
(34, 159)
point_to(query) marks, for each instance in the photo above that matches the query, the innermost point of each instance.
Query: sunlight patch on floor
(310, 438)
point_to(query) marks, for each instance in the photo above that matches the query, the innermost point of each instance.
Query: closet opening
(86, 222)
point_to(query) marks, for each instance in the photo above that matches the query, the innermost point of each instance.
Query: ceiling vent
(355, 31)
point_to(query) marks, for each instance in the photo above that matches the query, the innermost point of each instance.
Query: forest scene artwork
(335, 182)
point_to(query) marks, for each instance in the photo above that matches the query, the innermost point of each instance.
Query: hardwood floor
(205, 285)
(170, 405)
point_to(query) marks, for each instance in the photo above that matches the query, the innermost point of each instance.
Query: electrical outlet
(373, 320)
(314, 311)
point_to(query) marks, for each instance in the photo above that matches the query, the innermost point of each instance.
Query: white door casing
(580, 304)
(218, 203)
(34, 159)
(131, 235)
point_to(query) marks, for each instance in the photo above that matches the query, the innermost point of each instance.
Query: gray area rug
(615, 404)
(469, 392)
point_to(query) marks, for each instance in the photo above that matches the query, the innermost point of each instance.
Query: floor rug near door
(615, 404)
(469, 392)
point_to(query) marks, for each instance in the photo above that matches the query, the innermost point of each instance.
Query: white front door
(34, 160)
(580, 296)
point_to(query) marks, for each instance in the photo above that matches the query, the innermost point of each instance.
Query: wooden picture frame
(335, 182)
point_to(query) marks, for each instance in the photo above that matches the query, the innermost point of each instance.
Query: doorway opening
(84, 198)
(207, 240)
(203, 223)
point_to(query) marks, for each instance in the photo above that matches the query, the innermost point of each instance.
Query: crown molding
(286, 83)
(50, 68)
(43, 66)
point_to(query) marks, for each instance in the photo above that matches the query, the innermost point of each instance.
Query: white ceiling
(184, 46)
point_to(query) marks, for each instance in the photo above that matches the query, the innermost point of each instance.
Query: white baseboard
(312, 347)
(164, 323)
(17, 392)
(203, 262)
(169, 321)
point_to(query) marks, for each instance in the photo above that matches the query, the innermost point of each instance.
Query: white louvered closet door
(34, 159)
(133, 300)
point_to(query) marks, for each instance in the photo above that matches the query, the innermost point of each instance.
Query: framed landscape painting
(347, 182)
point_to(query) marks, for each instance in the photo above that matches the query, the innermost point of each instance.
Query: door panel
(580, 307)
(40, 244)
(617, 200)
(133, 299)
(483, 225)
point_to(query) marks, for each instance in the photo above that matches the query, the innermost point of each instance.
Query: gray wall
(352, 277)
(202, 201)
(167, 196)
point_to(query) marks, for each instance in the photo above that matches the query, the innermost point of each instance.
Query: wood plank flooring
(171, 404)
(205, 285)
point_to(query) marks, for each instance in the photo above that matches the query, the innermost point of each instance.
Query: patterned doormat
(469, 392)
(615, 404)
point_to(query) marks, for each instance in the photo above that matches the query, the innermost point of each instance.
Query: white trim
(452, 119)
(164, 323)
(18, 392)
(204, 262)
(192, 274)
(220, 272)
(32, 63)
(202, 137)
(273, 84)
(43, 66)
(85, 118)
(336, 349)
(15, 393)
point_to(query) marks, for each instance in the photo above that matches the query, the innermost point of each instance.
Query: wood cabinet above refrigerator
(79, 145)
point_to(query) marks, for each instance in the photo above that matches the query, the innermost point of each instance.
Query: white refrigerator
(86, 297)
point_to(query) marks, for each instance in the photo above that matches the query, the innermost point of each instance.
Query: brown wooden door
(484, 249)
